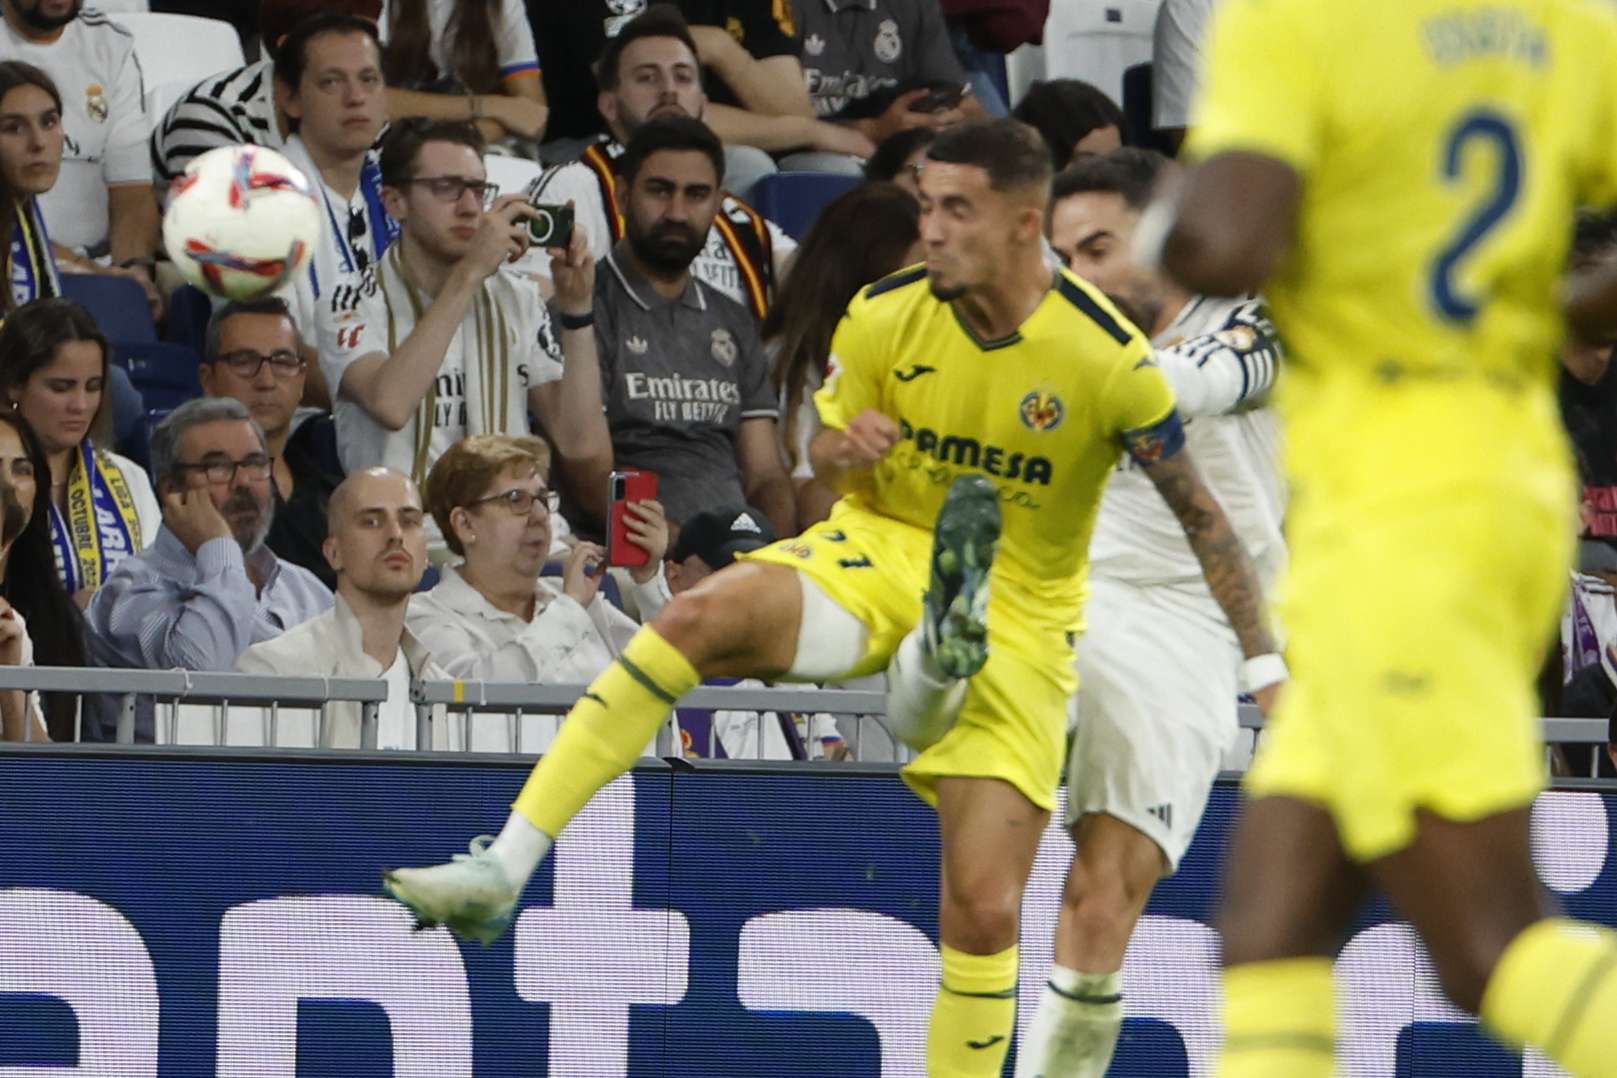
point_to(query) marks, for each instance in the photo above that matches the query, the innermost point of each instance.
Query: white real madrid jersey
(1221, 357)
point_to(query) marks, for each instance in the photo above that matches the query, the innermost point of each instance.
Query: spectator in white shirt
(1180, 35)
(493, 617)
(440, 342)
(378, 548)
(103, 204)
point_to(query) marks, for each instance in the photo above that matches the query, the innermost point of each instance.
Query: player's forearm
(829, 455)
(1232, 224)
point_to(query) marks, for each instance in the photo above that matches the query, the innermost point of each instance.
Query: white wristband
(1261, 671)
(1151, 233)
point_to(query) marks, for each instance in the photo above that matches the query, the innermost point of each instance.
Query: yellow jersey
(1042, 413)
(1443, 146)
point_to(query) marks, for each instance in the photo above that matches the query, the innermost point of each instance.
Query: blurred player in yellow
(977, 406)
(1400, 176)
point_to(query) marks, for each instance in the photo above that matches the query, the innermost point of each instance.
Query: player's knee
(1464, 971)
(981, 917)
(1102, 909)
(693, 623)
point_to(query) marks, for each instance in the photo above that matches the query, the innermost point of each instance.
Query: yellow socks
(1556, 989)
(1279, 1020)
(974, 1015)
(606, 730)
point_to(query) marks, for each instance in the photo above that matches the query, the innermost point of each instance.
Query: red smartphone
(626, 486)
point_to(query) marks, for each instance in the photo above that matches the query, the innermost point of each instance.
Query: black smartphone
(940, 100)
(551, 225)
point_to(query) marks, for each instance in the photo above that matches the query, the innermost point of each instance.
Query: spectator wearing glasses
(328, 82)
(252, 356)
(208, 588)
(53, 370)
(492, 615)
(378, 548)
(440, 342)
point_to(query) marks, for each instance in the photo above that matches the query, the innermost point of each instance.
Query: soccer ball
(241, 221)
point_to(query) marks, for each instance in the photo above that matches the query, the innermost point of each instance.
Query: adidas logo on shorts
(1163, 813)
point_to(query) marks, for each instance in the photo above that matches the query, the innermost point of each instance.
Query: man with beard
(207, 588)
(437, 342)
(651, 69)
(686, 381)
(103, 204)
(378, 549)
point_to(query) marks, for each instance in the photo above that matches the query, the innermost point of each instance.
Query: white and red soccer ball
(241, 220)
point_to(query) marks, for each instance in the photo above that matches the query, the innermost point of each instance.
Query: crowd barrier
(174, 913)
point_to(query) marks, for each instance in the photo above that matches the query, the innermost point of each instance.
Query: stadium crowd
(480, 392)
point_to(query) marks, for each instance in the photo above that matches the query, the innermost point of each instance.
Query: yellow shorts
(1012, 725)
(1426, 581)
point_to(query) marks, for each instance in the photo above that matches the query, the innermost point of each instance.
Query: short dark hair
(405, 138)
(1594, 237)
(271, 305)
(1129, 172)
(292, 55)
(277, 18)
(1064, 111)
(889, 158)
(1011, 152)
(658, 20)
(672, 133)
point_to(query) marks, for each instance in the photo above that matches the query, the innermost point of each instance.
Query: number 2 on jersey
(1493, 132)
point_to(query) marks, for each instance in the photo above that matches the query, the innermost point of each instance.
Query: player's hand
(582, 575)
(11, 636)
(647, 526)
(572, 269)
(519, 116)
(869, 438)
(1268, 697)
(502, 237)
(193, 518)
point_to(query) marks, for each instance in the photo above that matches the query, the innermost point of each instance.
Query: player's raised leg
(1080, 1015)
(990, 834)
(742, 622)
(926, 681)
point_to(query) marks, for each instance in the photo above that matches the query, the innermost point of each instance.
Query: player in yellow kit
(974, 411)
(1400, 176)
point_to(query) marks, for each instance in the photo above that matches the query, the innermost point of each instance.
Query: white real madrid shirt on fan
(504, 347)
(1158, 671)
(744, 257)
(103, 117)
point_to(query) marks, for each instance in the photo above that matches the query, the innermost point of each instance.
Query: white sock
(1074, 1032)
(922, 703)
(519, 848)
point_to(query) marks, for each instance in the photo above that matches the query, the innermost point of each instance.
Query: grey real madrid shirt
(855, 48)
(678, 377)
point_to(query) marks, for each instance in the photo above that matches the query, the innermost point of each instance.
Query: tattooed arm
(1160, 451)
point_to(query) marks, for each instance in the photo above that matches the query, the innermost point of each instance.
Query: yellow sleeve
(1599, 186)
(853, 382)
(1138, 396)
(1263, 84)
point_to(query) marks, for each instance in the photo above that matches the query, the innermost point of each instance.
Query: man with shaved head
(377, 546)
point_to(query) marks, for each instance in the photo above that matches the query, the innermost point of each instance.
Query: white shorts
(1158, 675)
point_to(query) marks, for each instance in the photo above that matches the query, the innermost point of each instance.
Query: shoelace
(479, 846)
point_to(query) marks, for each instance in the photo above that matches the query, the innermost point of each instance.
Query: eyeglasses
(246, 363)
(521, 502)
(450, 188)
(254, 469)
(356, 234)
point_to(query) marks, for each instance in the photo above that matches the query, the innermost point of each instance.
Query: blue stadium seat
(117, 303)
(165, 374)
(794, 199)
(189, 309)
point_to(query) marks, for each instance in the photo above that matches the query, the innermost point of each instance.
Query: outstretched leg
(739, 622)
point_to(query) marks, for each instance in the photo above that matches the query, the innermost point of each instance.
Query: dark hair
(292, 56)
(1594, 236)
(472, 53)
(30, 337)
(1129, 172)
(267, 304)
(671, 133)
(860, 237)
(1064, 111)
(15, 73)
(406, 137)
(889, 158)
(277, 18)
(33, 586)
(658, 20)
(1011, 152)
